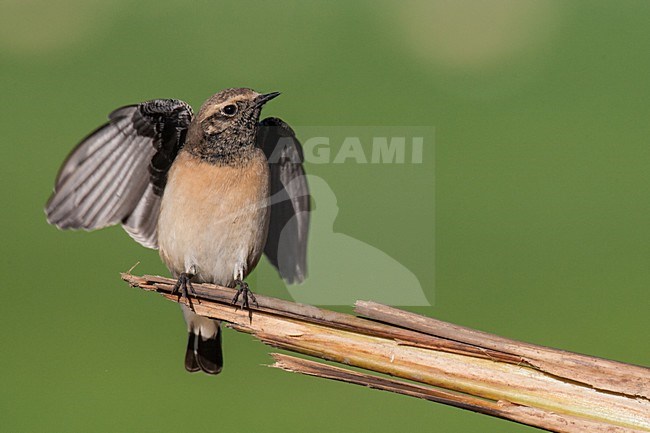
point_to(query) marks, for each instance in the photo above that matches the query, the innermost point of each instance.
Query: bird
(211, 191)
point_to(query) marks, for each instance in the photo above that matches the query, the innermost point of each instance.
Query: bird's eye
(229, 110)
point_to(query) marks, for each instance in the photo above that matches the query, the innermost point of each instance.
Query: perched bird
(211, 192)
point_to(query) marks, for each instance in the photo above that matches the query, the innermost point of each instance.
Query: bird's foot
(183, 287)
(245, 292)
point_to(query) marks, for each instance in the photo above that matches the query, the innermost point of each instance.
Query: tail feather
(203, 344)
(191, 363)
(208, 353)
(204, 354)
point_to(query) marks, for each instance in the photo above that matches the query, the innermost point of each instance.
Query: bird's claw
(183, 287)
(245, 292)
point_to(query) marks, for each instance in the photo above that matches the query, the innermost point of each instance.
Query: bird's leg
(182, 285)
(245, 293)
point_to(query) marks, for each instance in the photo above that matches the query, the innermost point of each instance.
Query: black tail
(204, 354)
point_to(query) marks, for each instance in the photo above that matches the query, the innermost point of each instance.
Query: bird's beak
(263, 99)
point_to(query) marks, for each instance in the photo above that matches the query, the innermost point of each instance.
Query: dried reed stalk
(542, 387)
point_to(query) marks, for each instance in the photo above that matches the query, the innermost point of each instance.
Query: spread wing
(286, 245)
(117, 173)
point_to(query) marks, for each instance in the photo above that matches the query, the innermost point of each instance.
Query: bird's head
(231, 116)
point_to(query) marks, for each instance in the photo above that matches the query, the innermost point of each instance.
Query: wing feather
(286, 245)
(117, 173)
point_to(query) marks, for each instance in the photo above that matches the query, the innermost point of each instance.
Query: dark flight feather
(286, 245)
(117, 174)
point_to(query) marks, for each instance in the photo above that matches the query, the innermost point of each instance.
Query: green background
(535, 228)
